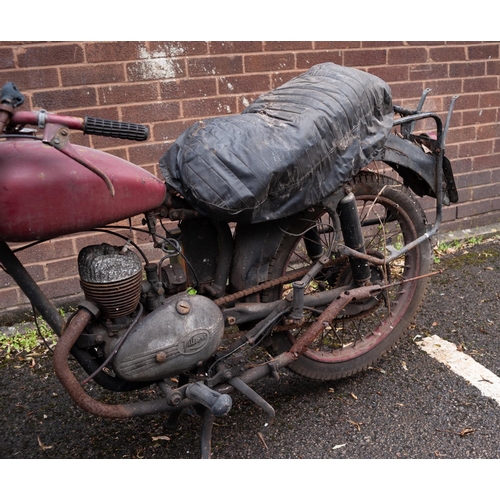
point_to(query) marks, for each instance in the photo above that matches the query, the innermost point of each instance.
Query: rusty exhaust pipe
(76, 391)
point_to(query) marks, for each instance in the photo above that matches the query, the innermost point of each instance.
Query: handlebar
(88, 125)
(11, 98)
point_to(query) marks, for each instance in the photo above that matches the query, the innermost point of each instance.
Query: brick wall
(169, 85)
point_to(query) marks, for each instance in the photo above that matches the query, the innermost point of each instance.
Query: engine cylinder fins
(115, 299)
(111, 277)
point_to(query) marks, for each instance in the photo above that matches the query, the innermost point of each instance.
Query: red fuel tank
(44, 193)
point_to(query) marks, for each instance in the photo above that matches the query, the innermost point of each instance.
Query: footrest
(218, 404)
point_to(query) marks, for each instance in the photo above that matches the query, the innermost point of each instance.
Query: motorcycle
(294, 240)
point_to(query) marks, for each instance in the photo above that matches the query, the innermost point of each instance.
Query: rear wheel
(390, 218)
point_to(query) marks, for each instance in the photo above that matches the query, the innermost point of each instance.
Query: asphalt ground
(408, 406)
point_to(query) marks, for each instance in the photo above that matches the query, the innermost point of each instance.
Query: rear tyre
(390, 218)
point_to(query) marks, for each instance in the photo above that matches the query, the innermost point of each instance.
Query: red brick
(171, 130)
(407, 55)
(423, 43)
(372, 57)
(36, 271)
(6, 280)
(155, 69)
(28, 79)
(447, 86)
(245, 100)
(495, 174)
(151, 112)
(177, 49)
(61, 288)
(460, 164)
(392, 73)
(486, 84)
(278, 79)
(467, 69)
(287, 46)
(50, 55)
(9, 298)
(6, 58)
(110, 113)
(473, 208)
(428, 71)
(477, 116)
(125, 94)
(477, 148)
(62, 268)
(209, 107)
(269, 62)
(115, 51)
(146, 154)
(50, 250)
(405, 90)
(447, 53)
(307, 59)
(243, 84)
(235, 47)
(64, 99)
(462, 134)
(493, 67)
(485, 192)
(90, 74)
(488, 100)
(187, 88)
(467, 101)
(486, 162)
(221, 65)
(484, 51)
(489, 131)
(337, 45)
(472, 178)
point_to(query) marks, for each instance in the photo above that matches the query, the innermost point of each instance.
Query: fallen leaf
(160, 438)
(466, 431)
(42, 446)
(356, 424)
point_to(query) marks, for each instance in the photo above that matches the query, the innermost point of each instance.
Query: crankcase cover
(172, 339)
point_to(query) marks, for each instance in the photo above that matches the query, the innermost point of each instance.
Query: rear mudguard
(417, 168)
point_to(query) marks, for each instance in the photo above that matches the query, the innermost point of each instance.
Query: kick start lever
(218, 404)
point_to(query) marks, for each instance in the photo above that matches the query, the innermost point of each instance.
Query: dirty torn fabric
(289, 149)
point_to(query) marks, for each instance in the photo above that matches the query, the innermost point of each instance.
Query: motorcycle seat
(289, 149)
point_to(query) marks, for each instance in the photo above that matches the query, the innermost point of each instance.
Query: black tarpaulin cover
(287, 150)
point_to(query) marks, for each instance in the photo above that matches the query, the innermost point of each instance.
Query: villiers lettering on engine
(293, 238)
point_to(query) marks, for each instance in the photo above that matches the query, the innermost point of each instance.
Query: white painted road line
(445, 352)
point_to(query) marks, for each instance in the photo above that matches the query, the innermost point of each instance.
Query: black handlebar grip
(112, 128)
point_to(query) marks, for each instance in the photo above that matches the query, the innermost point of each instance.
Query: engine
(175, 334)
